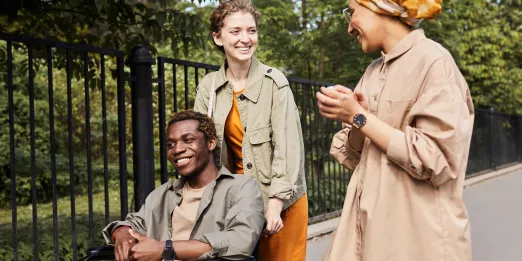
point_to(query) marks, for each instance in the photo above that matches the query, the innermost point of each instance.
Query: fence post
(518, 134)
(492, 140)
(140, 62)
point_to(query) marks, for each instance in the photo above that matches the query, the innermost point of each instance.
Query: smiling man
(205, 214)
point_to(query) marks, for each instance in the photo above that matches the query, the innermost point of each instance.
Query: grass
(64, 222)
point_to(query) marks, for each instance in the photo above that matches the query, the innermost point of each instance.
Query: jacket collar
(255, 76)
(177, 187)
(404, 45)
(177, 184)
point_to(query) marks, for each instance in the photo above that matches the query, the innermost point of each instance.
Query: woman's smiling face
(238, 36)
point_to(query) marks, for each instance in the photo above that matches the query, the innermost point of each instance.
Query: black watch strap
(169, 254)
(168, 244)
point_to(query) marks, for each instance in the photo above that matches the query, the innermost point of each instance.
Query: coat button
(241, 97)
(245, 129)
(249, 165)
(269, 71)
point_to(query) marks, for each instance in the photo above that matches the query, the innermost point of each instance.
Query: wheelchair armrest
(107, 253)
(100, 253)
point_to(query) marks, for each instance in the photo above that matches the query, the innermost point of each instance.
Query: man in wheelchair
(204, 214)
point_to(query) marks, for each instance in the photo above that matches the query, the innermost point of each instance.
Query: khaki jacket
(273, 148)
(230, 216)
(406, 204)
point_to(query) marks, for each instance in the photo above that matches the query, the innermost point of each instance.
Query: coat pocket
(395, 112)
(260, 140)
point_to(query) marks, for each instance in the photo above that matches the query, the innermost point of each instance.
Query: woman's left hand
(338, 103)
(274, 223)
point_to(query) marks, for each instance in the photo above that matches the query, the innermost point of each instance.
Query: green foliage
(64, 222)
(106, 23)
(485, 39)
(306, 39)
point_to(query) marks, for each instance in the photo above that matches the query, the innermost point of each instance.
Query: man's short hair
(206, 124)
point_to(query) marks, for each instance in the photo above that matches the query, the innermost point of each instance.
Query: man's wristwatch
(168, 253)
(359, 120)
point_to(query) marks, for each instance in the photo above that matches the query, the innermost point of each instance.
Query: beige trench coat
(406, 204)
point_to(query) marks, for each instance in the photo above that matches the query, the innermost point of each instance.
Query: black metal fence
(496, 141)
(63, 136)
(64, 141)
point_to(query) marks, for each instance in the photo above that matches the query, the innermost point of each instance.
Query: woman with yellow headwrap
(406, 136)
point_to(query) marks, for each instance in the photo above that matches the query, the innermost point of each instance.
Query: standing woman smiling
(407, 136)
(258, 128)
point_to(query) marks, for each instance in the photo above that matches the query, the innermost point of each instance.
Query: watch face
(168, 255)
(359, 120)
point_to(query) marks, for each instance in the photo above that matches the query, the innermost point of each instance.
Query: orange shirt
(234, 134)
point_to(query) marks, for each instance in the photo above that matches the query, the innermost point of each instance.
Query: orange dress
(289, 244)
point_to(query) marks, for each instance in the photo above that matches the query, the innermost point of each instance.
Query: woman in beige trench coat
(407, 132)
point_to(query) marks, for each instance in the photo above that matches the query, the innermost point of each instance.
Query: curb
(329, 226)
(490, 175)
(322, 228)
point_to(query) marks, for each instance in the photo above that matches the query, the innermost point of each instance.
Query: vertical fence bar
(514, 129)
(104, 131)
(33, 151)
(12, 163)
(71, 150)
(185, 73)
(320, 164)
(328, 173)
(317, 119)
(52, 150)
(341, 172)
(492, 140)
(174, 87)
(141, 62)
(304, 130)
(89, 145)
(311, 143)
(175, 95)
(296, 94)
(518, 134)
(196, 76)
(331, 173)
(122, 132)
(161, 105)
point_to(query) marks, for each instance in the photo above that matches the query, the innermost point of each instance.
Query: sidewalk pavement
(482, 227)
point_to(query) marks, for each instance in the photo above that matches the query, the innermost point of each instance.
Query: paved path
(495, 210)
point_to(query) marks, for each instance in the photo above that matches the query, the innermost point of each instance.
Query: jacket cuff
(219, 243)
(109, 229)
(342, 151)
(281, 189)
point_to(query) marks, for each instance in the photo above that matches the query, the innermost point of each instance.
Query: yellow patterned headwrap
(410, 12)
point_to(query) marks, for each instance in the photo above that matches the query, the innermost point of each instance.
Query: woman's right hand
(356, 138)
(274, 222)
(361, 99)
